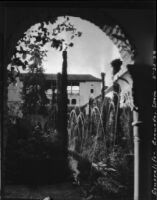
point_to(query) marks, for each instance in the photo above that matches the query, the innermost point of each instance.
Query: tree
(39, 37)
(33, 46)
(34, 90)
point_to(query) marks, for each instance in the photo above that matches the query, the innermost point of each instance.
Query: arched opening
(127, 53)
(95, 16)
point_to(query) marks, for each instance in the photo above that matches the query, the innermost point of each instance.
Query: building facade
(80, 88)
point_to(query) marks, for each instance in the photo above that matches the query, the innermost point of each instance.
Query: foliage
(27, 153)
(29, 54)
(34, 91)
(14, 111)
(34, 42)
(33, 156)
(109, 152)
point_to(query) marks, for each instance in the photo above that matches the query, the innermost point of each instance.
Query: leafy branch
(34, 42)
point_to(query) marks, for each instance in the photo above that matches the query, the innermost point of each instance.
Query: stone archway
(110, 27)
(96, 16)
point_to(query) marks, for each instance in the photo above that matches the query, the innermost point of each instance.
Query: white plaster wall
(85, 88)
(74, 96)
(81, 98)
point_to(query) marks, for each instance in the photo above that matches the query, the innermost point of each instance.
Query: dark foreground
(60, 191)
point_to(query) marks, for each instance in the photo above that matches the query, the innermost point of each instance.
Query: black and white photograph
(78, 100)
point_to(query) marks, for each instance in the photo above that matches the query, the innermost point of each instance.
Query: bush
(33, 158)
(102, 143)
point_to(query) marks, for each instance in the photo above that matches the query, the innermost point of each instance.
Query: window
(73, 101)
(91, 90)
(69, 90)
(73, 89)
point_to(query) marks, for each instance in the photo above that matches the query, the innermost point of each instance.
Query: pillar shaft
(136, 126)
(142, 129)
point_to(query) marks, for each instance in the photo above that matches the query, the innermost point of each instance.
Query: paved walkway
(62, 191)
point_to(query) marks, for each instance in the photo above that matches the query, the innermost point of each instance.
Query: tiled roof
(74, 77)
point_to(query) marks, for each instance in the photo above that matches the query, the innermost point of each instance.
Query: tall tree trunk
(103, 85)
(64, 101)
(58, 118)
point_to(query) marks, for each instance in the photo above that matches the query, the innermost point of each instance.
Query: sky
(91, 53)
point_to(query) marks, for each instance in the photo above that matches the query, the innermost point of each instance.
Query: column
(142, 128)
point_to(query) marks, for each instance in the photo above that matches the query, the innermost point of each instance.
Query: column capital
(142, 84)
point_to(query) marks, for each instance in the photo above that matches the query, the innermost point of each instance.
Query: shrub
(33, 158)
